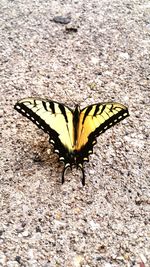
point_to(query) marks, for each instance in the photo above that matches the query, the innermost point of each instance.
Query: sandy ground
(102, 55)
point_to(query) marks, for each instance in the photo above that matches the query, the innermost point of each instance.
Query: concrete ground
(101, 54)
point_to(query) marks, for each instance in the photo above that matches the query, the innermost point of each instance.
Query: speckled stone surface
(107, 222)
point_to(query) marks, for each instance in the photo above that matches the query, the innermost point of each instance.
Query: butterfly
(73, 133)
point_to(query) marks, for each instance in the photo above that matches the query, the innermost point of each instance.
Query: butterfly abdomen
(76, 115)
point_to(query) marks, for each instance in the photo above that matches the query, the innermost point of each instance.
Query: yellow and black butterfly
(72, 132)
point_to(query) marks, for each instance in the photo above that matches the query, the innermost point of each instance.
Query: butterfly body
(73, 133)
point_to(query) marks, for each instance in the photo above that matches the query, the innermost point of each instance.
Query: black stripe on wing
(31, 115)
(87, 149)
(121, 115)
(59, 148)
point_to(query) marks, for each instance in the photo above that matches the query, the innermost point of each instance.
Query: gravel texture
(106, 58)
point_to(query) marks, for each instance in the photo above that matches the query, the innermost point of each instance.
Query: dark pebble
(18, 259)
(62, 20)
(71, 29)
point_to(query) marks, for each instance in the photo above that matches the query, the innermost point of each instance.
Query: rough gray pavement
(102, 54)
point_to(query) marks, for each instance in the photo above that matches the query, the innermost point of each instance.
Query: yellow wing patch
(95, 119)
(56, 116)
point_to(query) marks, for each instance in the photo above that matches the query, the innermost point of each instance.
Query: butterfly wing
(53, 118)
(94, 120)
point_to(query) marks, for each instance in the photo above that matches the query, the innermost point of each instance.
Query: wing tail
(83, 173)
(67, 165)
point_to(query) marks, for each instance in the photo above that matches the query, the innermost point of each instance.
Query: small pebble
(2, 258)
(77, 262)
(25, 233)
(71, 28)
(62, 20)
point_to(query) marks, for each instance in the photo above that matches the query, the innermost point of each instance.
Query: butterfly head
(76, 114)
(77, 109)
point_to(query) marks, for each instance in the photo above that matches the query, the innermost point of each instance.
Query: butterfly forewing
(96, 119)
(54, 118)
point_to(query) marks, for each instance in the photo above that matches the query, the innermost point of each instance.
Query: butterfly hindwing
(54, 119)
